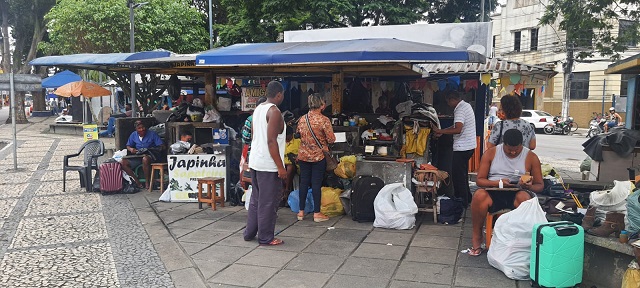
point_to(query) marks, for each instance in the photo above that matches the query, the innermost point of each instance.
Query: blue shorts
(612, 124)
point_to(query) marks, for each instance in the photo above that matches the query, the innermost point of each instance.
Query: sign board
(90, 132)
(184, 171)
(21, 82)
(475, 36)
(250, 96)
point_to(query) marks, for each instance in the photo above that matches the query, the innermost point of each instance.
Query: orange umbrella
(81, 88)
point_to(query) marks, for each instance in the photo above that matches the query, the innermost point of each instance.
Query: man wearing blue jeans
(464, 144)
(267, 167)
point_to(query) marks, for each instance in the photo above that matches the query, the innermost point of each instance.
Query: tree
(591, 25)
(450, 11)
(26, 20)
(263, 21)
(102, 26)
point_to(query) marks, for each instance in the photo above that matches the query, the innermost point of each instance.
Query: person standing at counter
(314, 129)
(267, 167)
(464, 143)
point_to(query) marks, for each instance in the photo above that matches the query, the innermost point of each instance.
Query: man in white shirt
(464, 143)
(267, 167)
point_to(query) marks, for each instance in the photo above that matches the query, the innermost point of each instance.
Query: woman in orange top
(311, 156)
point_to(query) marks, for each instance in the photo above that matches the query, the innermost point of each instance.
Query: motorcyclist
(614, 119)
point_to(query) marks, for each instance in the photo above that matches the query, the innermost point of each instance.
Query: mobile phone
(513, 182)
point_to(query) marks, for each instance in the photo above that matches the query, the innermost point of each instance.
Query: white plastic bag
(395, 208)
(614, 199)
(511, 243)
(247, 198)
(119, 154)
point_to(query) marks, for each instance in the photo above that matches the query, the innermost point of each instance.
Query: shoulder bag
(500, 136)
(332, 163)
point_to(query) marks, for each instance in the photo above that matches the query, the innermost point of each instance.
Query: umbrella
(60, 79)
(82, 88)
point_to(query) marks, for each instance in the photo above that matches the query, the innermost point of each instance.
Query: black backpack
(450, 211)
(235, 194)
(363, 193)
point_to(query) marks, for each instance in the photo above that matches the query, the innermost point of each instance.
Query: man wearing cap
(614, 119)
(147, 146)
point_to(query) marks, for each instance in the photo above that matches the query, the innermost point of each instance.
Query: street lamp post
(132, 48)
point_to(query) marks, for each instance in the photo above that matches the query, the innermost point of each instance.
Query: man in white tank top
(267, 167)
(507, 162)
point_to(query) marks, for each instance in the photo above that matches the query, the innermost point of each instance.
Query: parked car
(537, 118)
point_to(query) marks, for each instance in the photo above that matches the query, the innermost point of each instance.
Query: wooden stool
(211, 196)
(160, 167)
(428, 183)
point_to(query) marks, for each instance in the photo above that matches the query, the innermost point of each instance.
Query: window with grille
(517, 37)
(579, 86)
(534, 39)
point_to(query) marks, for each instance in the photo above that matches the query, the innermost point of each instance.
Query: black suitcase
(363, 193)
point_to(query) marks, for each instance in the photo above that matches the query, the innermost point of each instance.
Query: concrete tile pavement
(139, 241)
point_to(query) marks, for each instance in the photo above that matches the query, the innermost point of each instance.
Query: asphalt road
(561, 147)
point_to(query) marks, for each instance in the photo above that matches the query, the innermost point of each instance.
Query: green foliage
(263, 21)
(459, 11)
(591, 25)
(102, 26)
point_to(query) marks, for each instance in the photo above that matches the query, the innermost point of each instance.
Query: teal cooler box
(557, 255)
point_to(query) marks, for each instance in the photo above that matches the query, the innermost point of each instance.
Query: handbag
(332, 163)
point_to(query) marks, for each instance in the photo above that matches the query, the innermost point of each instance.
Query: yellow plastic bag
(348, 158)
(345, 170)
(631, 278)
(331, 204)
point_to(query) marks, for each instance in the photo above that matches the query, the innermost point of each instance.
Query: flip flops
(273, 242)
(475, 252)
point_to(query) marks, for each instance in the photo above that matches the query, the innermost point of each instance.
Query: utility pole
(481, 10)
(132, 49)
(568, 76)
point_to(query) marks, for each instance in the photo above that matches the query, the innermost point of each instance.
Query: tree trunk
(39, 103)
(6, 53)
(21, 117)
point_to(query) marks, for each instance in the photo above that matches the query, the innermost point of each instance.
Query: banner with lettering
(184, 171)
(250, 96)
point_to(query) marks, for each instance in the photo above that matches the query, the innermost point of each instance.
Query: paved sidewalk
(55, 238)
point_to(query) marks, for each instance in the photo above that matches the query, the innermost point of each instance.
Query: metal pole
(13, 121)
(132, 48)
(211, 27)
(481, 10)
(604, 89)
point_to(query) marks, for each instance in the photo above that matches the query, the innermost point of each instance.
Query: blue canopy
(342, 51)
(92, 61)
(51, 96)
(60, 79)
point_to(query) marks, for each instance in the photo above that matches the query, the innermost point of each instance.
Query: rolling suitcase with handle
(110, 177)
(557, 254)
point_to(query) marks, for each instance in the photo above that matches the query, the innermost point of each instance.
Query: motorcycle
(558, 127)
(596, 125)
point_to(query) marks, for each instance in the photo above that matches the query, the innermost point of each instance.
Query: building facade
(517, 36)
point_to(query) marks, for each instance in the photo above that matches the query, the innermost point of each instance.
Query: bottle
(624, 236)
(500, 184)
